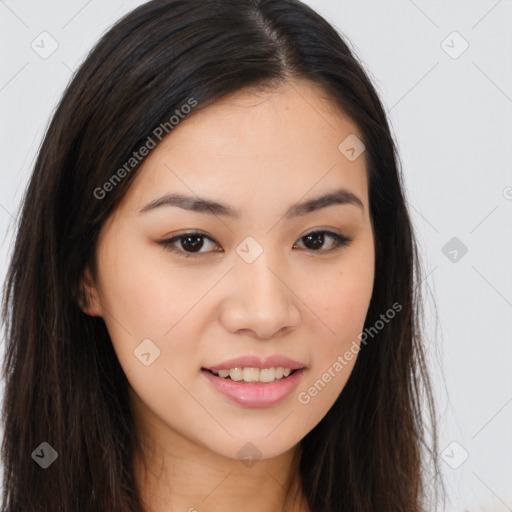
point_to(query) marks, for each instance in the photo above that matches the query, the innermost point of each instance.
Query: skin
(259, 152)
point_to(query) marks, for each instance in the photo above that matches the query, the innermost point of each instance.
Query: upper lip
(257, 362)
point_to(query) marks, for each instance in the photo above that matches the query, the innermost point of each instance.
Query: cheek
(346, 304)
(146, 299)
(148, 294)
(342, 304)
(336, 350)
(342, 297)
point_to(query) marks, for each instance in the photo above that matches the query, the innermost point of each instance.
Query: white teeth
(251, 374)
(267, 374)
(254, 374)
(236, 374)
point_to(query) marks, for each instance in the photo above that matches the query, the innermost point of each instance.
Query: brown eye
(316, 239)
(190, 244)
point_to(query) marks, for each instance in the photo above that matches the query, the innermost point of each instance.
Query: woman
(213, 289)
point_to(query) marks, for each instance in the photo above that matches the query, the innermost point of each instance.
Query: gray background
(451, 116)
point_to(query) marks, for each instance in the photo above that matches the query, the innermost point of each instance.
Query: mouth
(251, 375)
(254, 392)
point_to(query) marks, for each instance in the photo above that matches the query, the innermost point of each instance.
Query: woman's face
(254, 285)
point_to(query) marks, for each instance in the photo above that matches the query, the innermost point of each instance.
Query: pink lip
(257, 362)
(252, 394)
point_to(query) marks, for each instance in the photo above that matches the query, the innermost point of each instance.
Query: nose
(260, 301)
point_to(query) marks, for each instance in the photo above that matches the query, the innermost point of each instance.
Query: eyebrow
(202, 205)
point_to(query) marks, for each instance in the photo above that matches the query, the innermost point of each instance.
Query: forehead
(256, 145)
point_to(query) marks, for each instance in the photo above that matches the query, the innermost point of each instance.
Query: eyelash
(340, 242)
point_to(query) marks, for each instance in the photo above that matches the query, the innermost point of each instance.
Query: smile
(251, 389)
(249, 374)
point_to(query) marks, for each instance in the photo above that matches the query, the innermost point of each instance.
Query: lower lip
(252, 394)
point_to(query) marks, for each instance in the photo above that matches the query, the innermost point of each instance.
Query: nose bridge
(259, 279)
(260, 301)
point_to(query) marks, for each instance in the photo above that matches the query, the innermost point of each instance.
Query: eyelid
(168, 243)
(340, 240)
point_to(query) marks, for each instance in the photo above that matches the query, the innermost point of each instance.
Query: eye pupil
(194, 246)
(316, 237)
(190, 244)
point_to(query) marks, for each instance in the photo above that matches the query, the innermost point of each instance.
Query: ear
(89, 300)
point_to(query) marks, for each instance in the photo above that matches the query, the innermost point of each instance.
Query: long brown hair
(63, 383)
